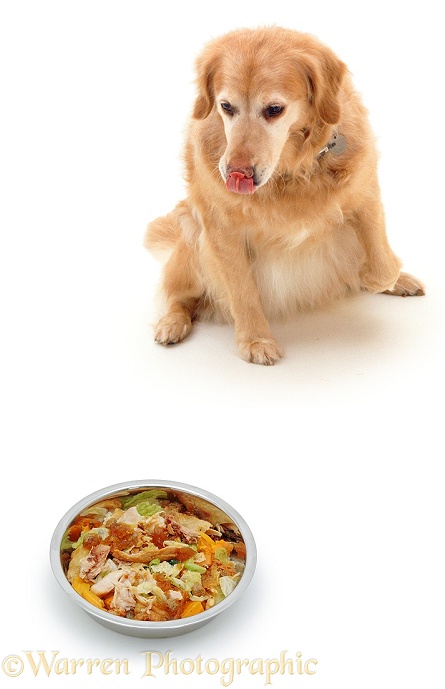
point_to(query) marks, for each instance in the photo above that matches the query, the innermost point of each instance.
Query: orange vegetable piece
(206, 550)
(192, 607)
(83, 589)
(108, 600)
(206, 538)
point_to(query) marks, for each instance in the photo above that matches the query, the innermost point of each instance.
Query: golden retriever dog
(283, 211)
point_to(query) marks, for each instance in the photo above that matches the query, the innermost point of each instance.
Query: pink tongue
(239, 183)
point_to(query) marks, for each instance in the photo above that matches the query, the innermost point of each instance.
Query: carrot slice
(83, 589)
(192, 607)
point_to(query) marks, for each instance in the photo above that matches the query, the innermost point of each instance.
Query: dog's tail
(164, 233)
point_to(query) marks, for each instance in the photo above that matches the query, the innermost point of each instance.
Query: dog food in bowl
(152, 554)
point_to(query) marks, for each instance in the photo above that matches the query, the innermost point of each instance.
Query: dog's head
(271, 88)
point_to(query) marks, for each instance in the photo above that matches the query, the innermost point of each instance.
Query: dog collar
(336, 145)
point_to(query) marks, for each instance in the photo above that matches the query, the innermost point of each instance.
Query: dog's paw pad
(265, 351)
(172, 329)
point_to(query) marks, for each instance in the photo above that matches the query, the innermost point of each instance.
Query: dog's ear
(324, 74)
(206, 66)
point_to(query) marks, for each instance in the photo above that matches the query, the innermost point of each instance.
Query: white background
(333, 456)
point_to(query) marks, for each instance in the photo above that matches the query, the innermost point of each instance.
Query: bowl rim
(114, 620)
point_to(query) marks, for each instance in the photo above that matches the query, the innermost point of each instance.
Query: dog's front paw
(172, 328)
(407, 286)
(261, 350)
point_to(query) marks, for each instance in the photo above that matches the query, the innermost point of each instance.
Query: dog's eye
(227, 107)
(273, 111)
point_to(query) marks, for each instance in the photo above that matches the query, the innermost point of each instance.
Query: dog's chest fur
(307, 275)
(306, 270)
(299, 268)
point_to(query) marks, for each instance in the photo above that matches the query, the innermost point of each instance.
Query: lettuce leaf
(192, 566)
(221, 554)
(147, 508)
(227, 584)
(188, 580)
(146, 497)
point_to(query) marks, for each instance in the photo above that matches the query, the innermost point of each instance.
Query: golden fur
(268, 102)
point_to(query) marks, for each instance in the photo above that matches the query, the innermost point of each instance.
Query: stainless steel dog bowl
(137, 627)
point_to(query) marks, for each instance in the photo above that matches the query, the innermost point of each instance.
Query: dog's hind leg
(182, 290)
(177, 234)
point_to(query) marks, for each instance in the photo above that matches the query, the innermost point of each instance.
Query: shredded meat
(210, 579)
(174, 529)
(146, 555)
(107, 583)
(92, 564)
(123, 598)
